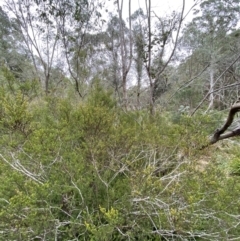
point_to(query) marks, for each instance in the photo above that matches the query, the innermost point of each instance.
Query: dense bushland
(98, 137)
(74, 170)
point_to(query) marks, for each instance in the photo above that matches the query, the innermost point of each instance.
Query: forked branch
(219, 133)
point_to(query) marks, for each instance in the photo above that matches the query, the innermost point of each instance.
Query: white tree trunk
(211, 88)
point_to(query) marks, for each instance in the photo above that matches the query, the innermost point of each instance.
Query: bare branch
(219, 133)
(210, 91)
(176, 40)
(186, 84)
(16, 165)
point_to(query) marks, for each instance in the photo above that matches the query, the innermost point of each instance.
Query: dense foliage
(81, 155)
(89, 171)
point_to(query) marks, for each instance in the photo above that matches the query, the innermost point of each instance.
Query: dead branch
(219, 133)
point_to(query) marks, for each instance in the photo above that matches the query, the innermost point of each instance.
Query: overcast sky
(160, 7)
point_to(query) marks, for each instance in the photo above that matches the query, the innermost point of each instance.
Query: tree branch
(220, 76)
(219, 133)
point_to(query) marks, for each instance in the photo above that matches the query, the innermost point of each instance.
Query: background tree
(125, 47)
(112, 43)
(38, 34)
(75, 21)
(138, 19)
(207, 39)
(158, 42)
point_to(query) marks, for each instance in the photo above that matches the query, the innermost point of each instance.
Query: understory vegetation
(112, 126)
(74, 170)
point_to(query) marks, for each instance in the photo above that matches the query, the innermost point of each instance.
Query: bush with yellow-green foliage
(90, 171)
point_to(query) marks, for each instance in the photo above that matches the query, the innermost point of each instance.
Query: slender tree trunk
(149, 62)
(138, 92)
(125, 97)
(126, 55)
(211, 88)
(47, 84)
(151, 99)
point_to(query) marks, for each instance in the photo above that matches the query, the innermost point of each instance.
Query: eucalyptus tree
(39, 35)
(16, 69)
(155, 39)
(125, 41)
(162, 35)
(112, 45)
(55, 35)
(206, 39)
(138, 19)
(76, 21)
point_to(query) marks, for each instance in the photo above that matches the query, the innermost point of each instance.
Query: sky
(162, 6)
(159, 6)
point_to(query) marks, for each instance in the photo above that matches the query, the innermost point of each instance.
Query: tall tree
(55, 34)
(112, 44)
(75, 21)
(38, 33)
(167, 32)
(206, 38)
(138, 19)
(125, 47)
